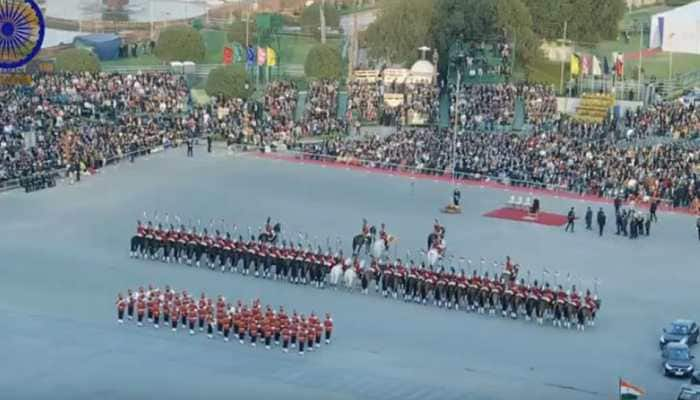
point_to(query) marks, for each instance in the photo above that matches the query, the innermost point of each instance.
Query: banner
(250, 56)
(366, 74)
(271, 57)
(228, 55)
(575, 65)
(393, 99)
(262, 54)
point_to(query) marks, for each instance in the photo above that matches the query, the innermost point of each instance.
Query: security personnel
(589, 219)
(570, 218)
(601, 221)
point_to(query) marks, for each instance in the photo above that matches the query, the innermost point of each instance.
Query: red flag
(228, 55)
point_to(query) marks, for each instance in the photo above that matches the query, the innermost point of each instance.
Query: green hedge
(230, 81)
(323, 62)
(678, 3)
(180, 43)
(77, 60)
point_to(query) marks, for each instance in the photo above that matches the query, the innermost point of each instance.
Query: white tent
(677, 30)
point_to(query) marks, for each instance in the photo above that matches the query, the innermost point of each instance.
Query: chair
(511, 202)
(518, 202)
(527, 203)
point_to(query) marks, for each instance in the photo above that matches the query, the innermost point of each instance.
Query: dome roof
(422, 67)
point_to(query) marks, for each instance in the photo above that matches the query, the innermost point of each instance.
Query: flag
(596, 70)
(575, 65)
(585, 64)
(271, 57)
(262, 53)
(250, 56)
(228, 55)
(629, 392)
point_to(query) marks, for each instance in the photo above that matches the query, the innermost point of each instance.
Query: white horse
(350, 278)
(378, 248)
(432, 257)
(336, 274)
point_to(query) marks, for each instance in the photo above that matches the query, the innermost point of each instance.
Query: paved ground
(64, 257)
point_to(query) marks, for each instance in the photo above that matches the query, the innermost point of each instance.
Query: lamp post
(670, 57)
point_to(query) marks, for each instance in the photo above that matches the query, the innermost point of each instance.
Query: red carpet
(523, 216)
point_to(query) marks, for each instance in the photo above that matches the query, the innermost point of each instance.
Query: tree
(311, 17)
(323, 62)
(230, 81)
(461, 20)
(588, 21)
(513, 18)
(77, 60)
(401, 27)
(237, 32)
(180, 43)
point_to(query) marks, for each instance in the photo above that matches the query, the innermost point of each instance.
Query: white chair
(511, 201)
(518, 202)
(528, 203)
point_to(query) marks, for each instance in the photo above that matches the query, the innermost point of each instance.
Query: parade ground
(65, 257)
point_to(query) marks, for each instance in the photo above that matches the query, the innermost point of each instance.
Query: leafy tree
(461, 20)
(230, 81)
(401, 27)
(311, 17)
(323, 62)
(180, 43)
(589, 21)
(513, 17)
(77, 60)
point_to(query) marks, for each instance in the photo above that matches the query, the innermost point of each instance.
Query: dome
(422, 67)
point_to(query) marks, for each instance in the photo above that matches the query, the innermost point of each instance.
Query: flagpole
(641, 58)
(561, 78)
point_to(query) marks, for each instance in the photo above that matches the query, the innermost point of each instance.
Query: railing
(572, 190)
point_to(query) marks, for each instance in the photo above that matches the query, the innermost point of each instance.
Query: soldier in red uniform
(121, 307)
(328, 327)
(286, 335)
(225, 326)
(155, 310)
(175, 317)
(138, 240)
(192, 314)
(267, 332)
(140, 310)
(253, 331)
(301, 337)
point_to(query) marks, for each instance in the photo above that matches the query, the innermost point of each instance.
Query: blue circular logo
(22, 32)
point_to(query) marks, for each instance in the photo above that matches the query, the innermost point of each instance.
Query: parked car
(681, 331)
(691, 391)
(677, 360)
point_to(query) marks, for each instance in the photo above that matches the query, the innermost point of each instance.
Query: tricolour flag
(271, 57)
(629, 392)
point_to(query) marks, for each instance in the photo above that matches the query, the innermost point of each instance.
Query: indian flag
(629, 392)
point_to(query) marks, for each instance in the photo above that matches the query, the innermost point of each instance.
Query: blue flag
(250, 55)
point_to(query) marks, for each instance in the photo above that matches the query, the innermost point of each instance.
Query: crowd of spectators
(320, 114)
(483, 107)
(365, 99)
(554, 161)
(662, 119)
(87, 119)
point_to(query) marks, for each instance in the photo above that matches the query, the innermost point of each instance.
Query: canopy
(105, 45)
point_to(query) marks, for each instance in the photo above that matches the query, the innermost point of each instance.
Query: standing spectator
(208, 143)
(571, 217)
(589, 219)
(697, 224)
(601, 221)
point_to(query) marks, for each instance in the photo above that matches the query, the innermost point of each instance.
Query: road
(64, 255)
